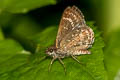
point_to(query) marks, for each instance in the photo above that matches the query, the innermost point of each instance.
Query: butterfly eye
(51, 50)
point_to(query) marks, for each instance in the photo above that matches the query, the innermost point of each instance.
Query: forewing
(71, 18)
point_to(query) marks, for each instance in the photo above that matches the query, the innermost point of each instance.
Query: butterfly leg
(74, 57)
(51, 64)
(62, 64)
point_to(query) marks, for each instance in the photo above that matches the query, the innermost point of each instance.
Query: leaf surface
(19, 66)
(23, 6)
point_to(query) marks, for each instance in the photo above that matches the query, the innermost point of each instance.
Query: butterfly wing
(80, 38)
(71, 18)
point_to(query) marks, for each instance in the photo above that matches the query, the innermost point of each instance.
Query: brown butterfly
(74, 37)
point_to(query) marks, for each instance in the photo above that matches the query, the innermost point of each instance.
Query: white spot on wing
(70, 20)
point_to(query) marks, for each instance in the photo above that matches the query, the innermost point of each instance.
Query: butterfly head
(51, 51)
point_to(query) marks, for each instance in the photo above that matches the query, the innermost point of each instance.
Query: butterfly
(74, 37)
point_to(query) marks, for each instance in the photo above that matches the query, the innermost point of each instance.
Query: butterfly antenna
(37, 48)
(62, 64)
(43, 58)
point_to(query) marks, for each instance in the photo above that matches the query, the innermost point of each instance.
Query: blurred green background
(26, 24)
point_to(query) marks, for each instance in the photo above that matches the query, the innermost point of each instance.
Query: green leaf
(9, 48)
(5, 19)
(94, 69)
(12, 56)
(1, 34)
(19, 67)
(24, 26)
(112, 55)
(23, 6)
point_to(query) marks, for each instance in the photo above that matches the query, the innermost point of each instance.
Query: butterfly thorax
(55, 52)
